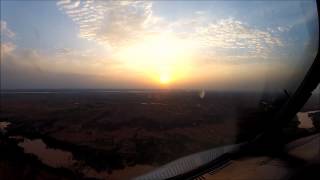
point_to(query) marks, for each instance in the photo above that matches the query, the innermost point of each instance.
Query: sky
(220, 45)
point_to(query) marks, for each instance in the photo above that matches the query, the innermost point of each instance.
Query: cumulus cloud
(118, 23)
(228, 35)
(112, 22)
(5, 31)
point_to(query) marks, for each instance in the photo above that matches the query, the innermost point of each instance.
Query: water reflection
(58, 158)
(52, 157)
(305, 120)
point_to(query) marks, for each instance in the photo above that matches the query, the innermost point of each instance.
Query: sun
(159, 59)
(165, 78)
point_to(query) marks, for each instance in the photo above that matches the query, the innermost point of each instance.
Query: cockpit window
(121, 89)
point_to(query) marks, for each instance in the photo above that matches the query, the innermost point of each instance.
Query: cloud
(64, 51)
(283, 28)
(31, 68)
(228, 37)
(122, 23)
(5, 31)
(7, 48)
(68, 4)
(110, 22)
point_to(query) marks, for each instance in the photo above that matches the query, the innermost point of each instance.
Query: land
(118, 130)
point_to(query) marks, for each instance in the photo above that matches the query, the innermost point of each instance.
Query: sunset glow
(150, 89)
(162, 57)
(150, 44)
(165, 78)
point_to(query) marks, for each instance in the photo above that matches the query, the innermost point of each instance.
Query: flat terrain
(122, 130)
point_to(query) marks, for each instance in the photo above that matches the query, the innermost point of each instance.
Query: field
(114, 131)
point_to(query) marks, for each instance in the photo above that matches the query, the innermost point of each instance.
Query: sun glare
(162, 59)
(165, 78)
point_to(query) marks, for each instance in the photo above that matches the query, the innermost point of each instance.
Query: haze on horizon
(232, 45)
